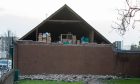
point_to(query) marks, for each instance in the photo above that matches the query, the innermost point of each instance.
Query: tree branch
(126, 17)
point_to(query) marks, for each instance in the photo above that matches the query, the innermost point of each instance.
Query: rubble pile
(70, 78)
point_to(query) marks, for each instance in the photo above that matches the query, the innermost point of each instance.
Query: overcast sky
(20, 16)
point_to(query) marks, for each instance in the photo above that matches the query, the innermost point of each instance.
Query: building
(6, 42)
(3, 47)
(118, 45)
(93, 55)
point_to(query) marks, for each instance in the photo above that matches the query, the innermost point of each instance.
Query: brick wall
(128, 64)
(42, 58)
(39, 58)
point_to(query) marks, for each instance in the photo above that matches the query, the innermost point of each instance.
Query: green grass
(45, 82)
(123, 81)
(113, 81)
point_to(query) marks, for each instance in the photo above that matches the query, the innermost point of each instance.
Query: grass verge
(123, 81)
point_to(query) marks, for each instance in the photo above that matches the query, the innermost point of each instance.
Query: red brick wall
(39, 58)
(128, 64)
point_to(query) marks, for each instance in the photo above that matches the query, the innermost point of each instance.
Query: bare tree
(128, 16)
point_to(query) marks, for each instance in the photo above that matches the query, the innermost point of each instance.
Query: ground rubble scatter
(89, 79)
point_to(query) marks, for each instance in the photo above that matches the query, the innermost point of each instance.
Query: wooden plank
(73, 21)
(37, 34)
(91, 36)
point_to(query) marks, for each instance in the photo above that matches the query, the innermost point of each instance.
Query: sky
(20, 16)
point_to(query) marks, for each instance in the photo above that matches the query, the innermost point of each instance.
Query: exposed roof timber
(64, 21)
(34, 29)
(64, 7)
(97, 32)
(79, 20)
(91, 28)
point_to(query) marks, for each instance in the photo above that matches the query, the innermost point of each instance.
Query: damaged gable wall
(63, 21)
